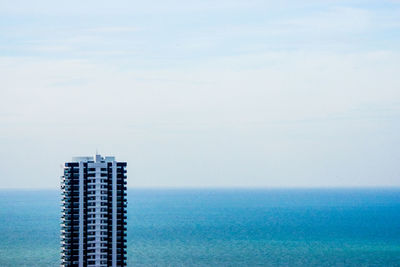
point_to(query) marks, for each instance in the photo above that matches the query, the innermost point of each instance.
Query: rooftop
(96, 158)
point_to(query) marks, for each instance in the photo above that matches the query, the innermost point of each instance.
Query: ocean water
(224, 227)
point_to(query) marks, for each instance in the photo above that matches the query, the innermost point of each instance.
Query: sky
(202, 93)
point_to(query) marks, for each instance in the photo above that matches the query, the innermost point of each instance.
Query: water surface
(224, 227)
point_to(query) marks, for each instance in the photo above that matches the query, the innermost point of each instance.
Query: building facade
(93, 220)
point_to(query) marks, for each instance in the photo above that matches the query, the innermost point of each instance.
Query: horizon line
(218, 187)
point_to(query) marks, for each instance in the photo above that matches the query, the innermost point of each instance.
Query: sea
(222, 227)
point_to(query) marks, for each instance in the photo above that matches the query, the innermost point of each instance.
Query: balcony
(65, 224)
(66, 230)
(67, 217)
(65, 234)
(66, 212)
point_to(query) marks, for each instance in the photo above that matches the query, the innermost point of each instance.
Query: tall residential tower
(93, 227)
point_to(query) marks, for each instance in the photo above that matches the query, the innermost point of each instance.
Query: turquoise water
(345, 227)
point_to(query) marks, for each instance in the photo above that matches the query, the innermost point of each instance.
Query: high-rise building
(93, 220)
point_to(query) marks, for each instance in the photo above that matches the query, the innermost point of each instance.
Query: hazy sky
(202, 93)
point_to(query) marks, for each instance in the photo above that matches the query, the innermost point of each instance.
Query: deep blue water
(288, 227)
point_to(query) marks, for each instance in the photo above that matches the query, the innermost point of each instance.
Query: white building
(93, 227)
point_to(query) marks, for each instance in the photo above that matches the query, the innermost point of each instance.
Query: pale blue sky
(202, 93)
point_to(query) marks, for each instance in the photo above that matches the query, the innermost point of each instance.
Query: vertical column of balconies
(121, 213)
(66, 216)
(97, 215)
(117, 214)
(81, 212)
(70, 215)
(110, 217)
(85, 209)
(114, 214)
